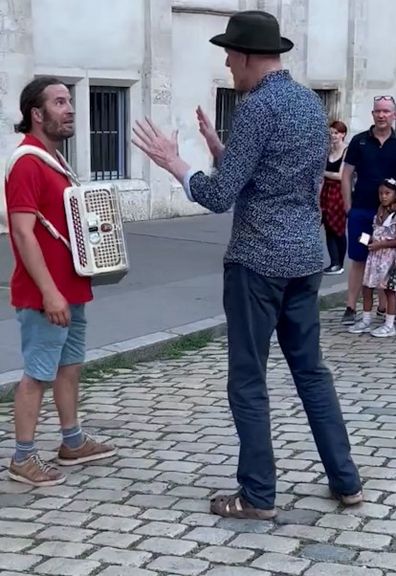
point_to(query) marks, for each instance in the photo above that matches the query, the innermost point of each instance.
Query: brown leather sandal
(235, 506)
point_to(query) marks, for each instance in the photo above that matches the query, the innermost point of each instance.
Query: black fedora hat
(253, 32)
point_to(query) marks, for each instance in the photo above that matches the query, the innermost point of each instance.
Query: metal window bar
(226, 100)
(330, 101)
(108, 132)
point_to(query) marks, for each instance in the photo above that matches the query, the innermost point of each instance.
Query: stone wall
(162, 55)
(16, 64)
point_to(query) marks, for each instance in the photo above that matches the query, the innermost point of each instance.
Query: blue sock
(23, 450)
(72, 437)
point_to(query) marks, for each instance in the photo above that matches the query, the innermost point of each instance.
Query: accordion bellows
(96, 232)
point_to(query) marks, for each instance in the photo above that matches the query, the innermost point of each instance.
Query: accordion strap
(60, 165)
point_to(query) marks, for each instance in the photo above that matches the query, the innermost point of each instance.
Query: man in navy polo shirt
(371, 157)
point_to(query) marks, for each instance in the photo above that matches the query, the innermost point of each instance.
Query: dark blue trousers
(255, 306)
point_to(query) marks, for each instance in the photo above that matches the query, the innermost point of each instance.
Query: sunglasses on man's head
(388, 98)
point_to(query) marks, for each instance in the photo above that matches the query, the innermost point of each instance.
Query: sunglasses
(387, 98)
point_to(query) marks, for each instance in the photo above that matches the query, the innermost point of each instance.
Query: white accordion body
(96, 233)
(93, 214)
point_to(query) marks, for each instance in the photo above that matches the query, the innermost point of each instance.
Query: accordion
(96, 234)
(94, 221)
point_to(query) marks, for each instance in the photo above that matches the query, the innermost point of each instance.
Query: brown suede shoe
(36, 472)
(88, 451)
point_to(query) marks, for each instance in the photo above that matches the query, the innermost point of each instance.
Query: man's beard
(55, 131)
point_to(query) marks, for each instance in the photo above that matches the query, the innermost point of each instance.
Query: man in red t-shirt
(48, 295)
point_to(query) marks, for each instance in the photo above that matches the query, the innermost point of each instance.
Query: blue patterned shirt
(271, 173)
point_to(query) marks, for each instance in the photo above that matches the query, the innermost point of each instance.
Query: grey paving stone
(209, 535)
(327, 553)
(368, 510)
(364, 540)
(197, 519)
(305, 532)
(386, 560)
(381, 527)
(225, 555)
(8, 544)
(178, 466)
(183, 566)
(245, 526)
(58, 567)
(190, 505)
(21, 514)
(65, 518)
(114, 523)
(126, 571)
(116, 510)
(15, 528)
(51, 503)
(167, 546)
(168, 529)
(318, 504)
(114, 539)
(165, 515)
(110, 555)
(307, 517)
(238, 571)
(281, 563)
(61, 549)
(19, 562)
(331, 569)
(65, 534)
(340, 522)
(266, 542)
(152, 501)
(189, 492)
(103, 495)
(18, 500)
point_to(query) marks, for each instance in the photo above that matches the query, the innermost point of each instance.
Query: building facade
(124, 59)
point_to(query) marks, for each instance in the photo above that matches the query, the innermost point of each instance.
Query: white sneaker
(359, 328)
(383, 331)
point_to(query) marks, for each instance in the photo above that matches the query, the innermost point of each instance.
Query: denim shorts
(359, 221)
(46, 346)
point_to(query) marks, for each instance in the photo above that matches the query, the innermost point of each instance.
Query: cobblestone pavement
(145, 512)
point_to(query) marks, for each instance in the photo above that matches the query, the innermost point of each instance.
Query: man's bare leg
(27, 403)
(26, 466)
(66, 392)
(77, 447)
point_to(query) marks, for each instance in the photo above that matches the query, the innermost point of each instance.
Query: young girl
(380, 265)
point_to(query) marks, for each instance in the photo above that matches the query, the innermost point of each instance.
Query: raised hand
(208, 131)
(162, 150)
(149, 138)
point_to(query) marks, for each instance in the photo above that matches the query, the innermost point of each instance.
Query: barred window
(330, 101)
(226, 100)
(108, 132)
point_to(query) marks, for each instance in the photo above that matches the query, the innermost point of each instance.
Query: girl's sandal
(235, 506)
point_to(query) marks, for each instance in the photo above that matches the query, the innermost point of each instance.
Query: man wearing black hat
(270, 170)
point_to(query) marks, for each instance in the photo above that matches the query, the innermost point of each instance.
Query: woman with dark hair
(332, 202)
